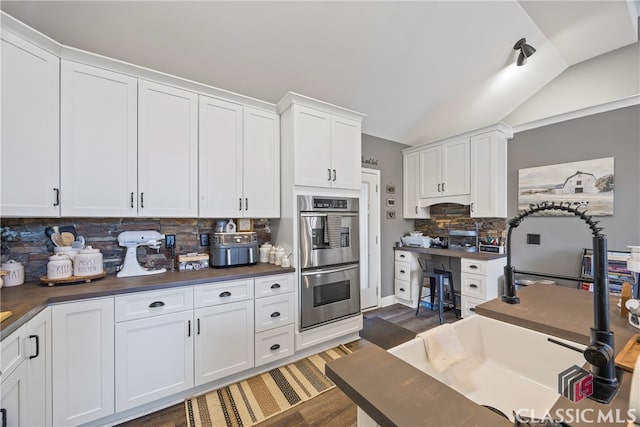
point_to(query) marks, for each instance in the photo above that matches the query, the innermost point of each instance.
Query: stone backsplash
(24, 240)
(450, 216)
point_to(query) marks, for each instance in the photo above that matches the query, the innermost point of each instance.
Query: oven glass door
(328, 239)
(329, 294)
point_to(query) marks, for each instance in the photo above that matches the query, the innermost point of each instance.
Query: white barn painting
(587, 184)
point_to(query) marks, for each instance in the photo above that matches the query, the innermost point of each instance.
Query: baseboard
(386, 301)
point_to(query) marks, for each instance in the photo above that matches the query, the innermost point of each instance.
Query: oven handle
(311, 214)
(329, 270)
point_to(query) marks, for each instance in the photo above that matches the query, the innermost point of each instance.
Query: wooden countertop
(452, 253)
(395, 393)
(25, 301)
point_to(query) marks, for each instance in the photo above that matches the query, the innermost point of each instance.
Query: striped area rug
(253, 400)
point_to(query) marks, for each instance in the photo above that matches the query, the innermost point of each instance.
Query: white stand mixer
(131, 240)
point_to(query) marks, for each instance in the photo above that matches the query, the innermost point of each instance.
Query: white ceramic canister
(279, 255)
(69, 251)
(264, 252)
(286, 261)
(272, 255)
(15, 273)
(88, 262)
(59, 266)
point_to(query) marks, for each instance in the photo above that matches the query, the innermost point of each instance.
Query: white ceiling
(420, 70)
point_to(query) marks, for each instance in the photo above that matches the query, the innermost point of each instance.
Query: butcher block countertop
(486, 256)
(393, 392)
(25, 301)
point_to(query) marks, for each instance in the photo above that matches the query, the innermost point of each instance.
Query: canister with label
(59, 267)
(15, 273)
(88, 262)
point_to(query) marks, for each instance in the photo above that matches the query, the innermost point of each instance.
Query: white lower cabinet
(154, 358)
(479, 282)
(224, 342)
(83, 361)
(25, 381)
(407, 273)
(274, 344)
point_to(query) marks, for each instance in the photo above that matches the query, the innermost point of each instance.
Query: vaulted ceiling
(420, 70)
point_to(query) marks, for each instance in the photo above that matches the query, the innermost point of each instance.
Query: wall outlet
(204, 239)
(170, 241)
(533, 239)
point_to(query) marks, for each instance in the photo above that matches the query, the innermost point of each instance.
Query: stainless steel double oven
(329, 259)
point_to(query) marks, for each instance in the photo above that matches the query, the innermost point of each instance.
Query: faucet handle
(598, 354)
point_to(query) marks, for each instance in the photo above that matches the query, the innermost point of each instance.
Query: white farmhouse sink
(508, 367)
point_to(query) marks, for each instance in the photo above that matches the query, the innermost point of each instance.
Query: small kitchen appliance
(131, 240)
(227, 249)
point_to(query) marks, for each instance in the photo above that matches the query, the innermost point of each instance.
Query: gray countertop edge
(123, 286)
(486, 256)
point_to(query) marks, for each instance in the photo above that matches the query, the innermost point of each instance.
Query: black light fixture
(526, 50)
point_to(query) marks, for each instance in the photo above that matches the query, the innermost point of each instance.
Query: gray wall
(612, 134)
(389, 157)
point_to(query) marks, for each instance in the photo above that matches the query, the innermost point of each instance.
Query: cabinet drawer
(274, 344)
(403, 256)
(402, 289)
(468, 306)
(223, 292)
(473, 266)
(12, 352)
(474, 285)
(273, 285)
(272, 312)
(148, 304)
(403, 271)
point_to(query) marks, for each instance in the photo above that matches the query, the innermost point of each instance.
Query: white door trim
(374, 236)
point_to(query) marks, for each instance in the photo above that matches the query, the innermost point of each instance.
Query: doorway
(370, 239)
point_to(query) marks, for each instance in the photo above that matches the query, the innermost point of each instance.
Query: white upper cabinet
(239, 161)
(444, 169)
(167, 151)
(321, 142)
(30, 129)
(312, 151)
(261, 166)
(410, 186)
(346, 153)
(98, 142)
(489, 175)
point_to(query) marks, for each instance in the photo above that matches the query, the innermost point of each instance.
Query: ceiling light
(526, 50)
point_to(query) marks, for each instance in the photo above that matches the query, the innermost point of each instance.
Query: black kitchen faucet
(600, 353)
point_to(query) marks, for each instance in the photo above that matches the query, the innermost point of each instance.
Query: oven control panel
(330, 203)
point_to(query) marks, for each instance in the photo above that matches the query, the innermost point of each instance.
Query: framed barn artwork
(587, 184)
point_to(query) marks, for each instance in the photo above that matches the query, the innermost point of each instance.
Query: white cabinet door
(83, 361)
(431, 172)
(261, 164)
(489, 176)
(167, 151)
(312, 151)
(224, 340)
(154, 358)
(13, 398)
(98, 128)
(455, 169)
(346, 153)
(38, 362)
(411, 187)
(30, 130)
(220, 158)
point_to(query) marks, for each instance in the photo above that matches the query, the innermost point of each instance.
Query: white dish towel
(443, 346)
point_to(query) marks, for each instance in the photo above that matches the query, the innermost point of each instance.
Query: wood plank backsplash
(24, 239)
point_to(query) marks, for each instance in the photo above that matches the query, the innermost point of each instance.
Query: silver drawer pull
(156, 304)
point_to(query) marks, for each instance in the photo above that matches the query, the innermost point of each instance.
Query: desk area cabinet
(407, 273)
(479, 282)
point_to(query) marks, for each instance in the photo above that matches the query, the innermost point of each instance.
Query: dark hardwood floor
(332, 408)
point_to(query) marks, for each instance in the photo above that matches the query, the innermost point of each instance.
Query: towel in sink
(443, 346)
